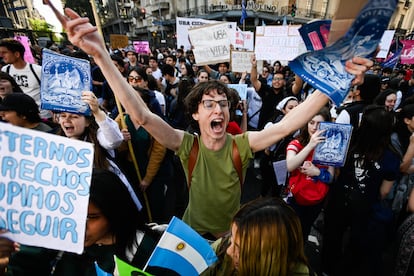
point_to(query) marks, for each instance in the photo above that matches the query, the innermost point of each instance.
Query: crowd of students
(194, 141)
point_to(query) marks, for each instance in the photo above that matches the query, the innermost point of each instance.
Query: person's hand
(358, 66)
(144, 185)
(90, 98)
(316, 138)
(7, 247)
(309, 169)
(253, 60)
(126, 134)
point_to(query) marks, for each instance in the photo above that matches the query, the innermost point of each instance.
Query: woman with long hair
(266, 239)
(308, 182)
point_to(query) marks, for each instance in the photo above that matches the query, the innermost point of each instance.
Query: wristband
(324, 176)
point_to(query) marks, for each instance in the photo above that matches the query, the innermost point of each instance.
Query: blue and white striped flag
(182, 250)
(243, 12)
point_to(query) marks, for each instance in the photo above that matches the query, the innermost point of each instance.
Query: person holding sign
(114, 226)
(308, 182)
(215, 185)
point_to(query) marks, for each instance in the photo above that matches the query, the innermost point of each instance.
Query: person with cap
(385, 81)
(21, 110)
(362, 96)
(132, 56)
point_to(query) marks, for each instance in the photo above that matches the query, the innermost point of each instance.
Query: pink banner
(407, 53)
(142, 47)
(28, 56)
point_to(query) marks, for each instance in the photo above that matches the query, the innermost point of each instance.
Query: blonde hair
(271, 241)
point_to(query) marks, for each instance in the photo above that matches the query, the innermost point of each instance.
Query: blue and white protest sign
(182, 250)
(44, 188)
(63, 80)
(325, 69)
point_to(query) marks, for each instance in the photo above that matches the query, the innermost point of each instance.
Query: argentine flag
(182, 250)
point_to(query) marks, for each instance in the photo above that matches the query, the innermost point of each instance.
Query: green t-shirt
(215, 191)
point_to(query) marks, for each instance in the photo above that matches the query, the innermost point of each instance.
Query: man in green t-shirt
(214, 181)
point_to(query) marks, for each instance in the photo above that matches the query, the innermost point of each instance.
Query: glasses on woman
(211, 104)
(136, 78)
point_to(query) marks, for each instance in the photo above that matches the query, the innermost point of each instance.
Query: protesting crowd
(170, 138)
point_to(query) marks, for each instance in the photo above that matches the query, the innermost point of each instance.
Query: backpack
(193, 158)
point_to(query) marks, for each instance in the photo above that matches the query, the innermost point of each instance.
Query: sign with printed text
(118, 41)
(212, 42)
(44, 188)
(240, 62)
(278, 42)
(142, 47)
(385, 43)
(183, 25)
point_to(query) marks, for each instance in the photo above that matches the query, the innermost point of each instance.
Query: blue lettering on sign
(25, 145)
(9, 165)
(31, 224)
(67, 198)
(40, 147)
(25, 169)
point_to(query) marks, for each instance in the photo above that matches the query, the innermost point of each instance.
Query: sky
(48, 14)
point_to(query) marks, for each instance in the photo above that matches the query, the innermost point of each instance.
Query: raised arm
(304, 112)
(82, 34)
(253, 73)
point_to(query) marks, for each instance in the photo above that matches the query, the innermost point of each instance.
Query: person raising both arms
(214, 197)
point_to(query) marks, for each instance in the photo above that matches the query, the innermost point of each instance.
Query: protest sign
(278, 43)
(118, 41)
(28, 56)
(212, 42)
(407, 53)
(325, 69)
(44, 188)
(63, 80)
(385, 43)
(183, 24)
(334, 149)
(244, 40)
(240, 62)
(142, 47)
(315, 34)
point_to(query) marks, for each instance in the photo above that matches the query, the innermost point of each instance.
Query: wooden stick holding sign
(134, 159)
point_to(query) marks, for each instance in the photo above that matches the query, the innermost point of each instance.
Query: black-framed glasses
(136, 78)
(211, 104)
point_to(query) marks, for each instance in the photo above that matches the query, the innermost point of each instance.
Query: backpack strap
(34, 73)
(237, 163)
(31, 69)
(192, 161)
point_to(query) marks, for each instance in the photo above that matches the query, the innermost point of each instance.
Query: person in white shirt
(27, 75)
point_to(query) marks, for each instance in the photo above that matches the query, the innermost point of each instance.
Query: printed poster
(44, 188)
(334, 149)
(315, 34)
(212, 42)
(63, 80)
(325, 69)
